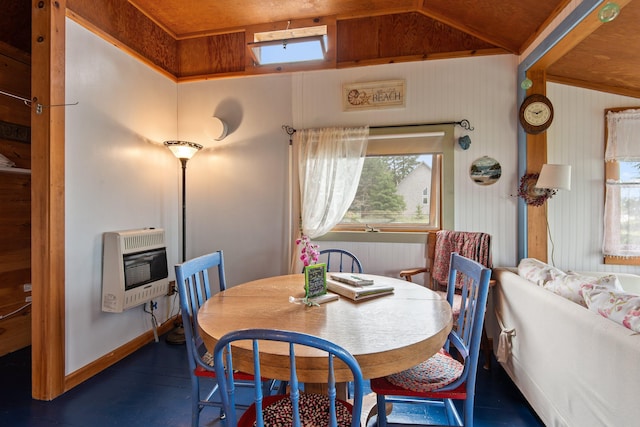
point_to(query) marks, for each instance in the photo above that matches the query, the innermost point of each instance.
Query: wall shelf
(14, 170)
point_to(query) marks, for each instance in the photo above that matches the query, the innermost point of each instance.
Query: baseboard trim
(99, 365)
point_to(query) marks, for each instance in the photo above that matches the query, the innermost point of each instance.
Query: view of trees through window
(392, 190)
(630, 204)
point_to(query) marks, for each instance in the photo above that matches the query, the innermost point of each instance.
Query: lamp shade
(183, 149)
(557, 177)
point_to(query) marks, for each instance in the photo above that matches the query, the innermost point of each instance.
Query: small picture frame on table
(315, 280)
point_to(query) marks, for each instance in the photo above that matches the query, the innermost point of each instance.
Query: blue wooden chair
(340, 260)
(442, 378)
(296, 408)
(194, 288)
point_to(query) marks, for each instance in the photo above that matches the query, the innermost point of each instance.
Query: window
(403, 181)
(291, 45)
(622, 187)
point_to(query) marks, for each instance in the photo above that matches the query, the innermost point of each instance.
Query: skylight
(289, 46)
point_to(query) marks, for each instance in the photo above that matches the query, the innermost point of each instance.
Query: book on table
(358, 293)
(351, 279)
(328, 297)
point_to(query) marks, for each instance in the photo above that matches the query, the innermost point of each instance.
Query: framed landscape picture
(485, 171)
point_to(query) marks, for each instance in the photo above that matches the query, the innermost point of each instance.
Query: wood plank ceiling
(208, 37)
(505, 24)
(197, 39)
(607, 60)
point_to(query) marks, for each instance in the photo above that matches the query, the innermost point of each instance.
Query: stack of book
(356, 287)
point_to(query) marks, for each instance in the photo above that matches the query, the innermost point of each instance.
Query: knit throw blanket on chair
(472, 245)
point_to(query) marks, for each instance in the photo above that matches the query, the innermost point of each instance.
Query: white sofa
(574, 367)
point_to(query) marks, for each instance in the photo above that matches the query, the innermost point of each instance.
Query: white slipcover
(573, 366)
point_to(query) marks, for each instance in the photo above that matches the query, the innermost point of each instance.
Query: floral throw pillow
(572, 285)
(619, 306)
(537, 271)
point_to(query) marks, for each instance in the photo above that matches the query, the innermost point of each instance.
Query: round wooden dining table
(386, 334)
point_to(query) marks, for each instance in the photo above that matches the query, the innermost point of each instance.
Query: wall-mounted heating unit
(134, 268)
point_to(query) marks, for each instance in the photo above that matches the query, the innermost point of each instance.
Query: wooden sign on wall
(372, 95)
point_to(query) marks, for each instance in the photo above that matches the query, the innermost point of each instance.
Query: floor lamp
(183, 150)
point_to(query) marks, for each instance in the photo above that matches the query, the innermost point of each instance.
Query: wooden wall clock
(536, 114)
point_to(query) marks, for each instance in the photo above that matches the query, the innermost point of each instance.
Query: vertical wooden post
(536, 157)
(47, 195)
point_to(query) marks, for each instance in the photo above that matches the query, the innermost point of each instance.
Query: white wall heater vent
(134, 268)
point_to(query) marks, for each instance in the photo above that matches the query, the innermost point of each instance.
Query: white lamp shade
(557, 177)
(183, 149)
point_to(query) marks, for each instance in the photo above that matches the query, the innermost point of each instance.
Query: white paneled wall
(386, 259)
(118, 176)
(237, 187)
(481, 90)
(576, 137)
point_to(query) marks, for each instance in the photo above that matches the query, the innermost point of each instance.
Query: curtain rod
(406, 135)
(464, 124)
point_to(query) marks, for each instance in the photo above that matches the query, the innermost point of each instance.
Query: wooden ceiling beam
(532, 38)
(153, 19)
(467, 29)
(414, 58)
(415, 7)
(580, 32)
(616, 90)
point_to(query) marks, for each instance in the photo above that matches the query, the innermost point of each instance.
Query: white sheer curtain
(623, 135)
(329, 164)
(623, 145)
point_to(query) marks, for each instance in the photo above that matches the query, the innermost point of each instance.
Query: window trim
(371, 237)
(612, 171)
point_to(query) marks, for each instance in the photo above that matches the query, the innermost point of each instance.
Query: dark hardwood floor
(152, 388)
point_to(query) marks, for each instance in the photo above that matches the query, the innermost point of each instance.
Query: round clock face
(536, 114)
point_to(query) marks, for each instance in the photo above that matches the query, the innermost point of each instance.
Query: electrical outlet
(27, 287)
(172, 288)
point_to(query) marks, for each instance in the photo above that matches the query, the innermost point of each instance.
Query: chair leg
(268, 387)
(453, 417)
(468, 410)
(282, 387)
(487, 348)
(382, 413)
(195, 402)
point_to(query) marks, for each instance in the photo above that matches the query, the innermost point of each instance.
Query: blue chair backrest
(467, 331)
(223, 362)
(340, 260)
(194, 288)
